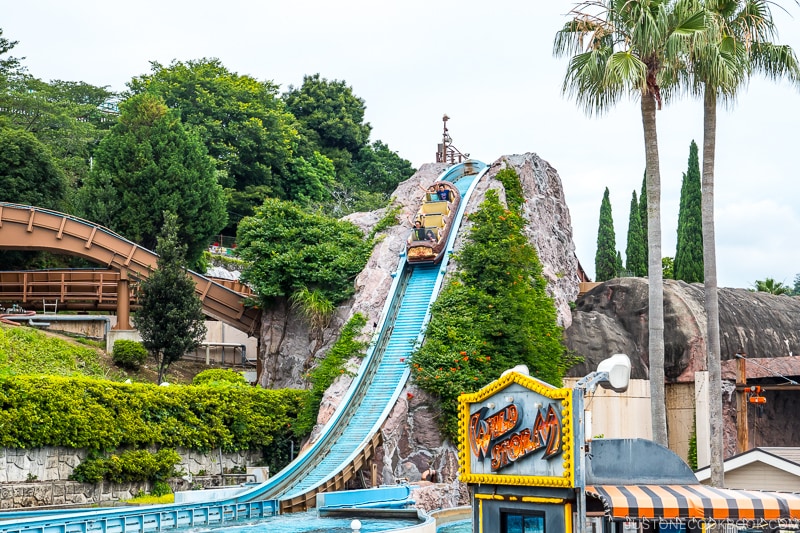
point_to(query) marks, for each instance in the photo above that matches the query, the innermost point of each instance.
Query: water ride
(432, 224)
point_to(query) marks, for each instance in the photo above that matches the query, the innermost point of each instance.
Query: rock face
(612, 318)
(412, 442)
(288, 349)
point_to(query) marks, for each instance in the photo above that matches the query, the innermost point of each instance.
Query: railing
(70, 289)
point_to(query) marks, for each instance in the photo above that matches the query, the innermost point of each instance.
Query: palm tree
(721, 62)
(622, 47)
(771, 286)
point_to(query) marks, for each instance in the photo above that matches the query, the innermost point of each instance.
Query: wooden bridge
(24, 227)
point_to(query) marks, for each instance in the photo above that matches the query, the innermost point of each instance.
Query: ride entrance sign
(517, 430)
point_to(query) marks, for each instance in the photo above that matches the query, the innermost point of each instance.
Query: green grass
(25, 351)
(151, 500)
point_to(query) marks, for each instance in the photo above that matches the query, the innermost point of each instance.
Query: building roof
(786, 459)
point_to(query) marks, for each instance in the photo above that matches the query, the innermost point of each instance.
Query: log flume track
(347, 442)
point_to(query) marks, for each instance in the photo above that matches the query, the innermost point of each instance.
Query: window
(518, 522)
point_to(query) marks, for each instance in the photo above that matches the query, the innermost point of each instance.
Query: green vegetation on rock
(494, 315)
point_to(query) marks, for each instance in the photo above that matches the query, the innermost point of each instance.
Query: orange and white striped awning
(694, 501)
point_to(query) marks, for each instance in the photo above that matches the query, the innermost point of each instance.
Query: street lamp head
(618, 368)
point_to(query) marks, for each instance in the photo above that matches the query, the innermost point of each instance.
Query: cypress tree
(689, 252)
(636, 250)
(643, 216)
(171, 319)
(605, 259)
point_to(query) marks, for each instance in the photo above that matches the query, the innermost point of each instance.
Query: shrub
(331, 367)
(215, 377)
(129, 354)
(133, 465)
(160, 488)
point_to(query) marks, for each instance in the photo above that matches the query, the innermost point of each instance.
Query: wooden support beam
(742, 439)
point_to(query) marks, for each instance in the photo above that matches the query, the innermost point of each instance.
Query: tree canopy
(147, 165)
(28, 172)
(288, 250)
(242, 121)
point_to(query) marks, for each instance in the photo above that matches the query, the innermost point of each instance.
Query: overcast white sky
(489, 66)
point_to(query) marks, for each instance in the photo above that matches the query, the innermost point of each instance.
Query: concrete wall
(57, 463)
(627, 415)
(623, 415)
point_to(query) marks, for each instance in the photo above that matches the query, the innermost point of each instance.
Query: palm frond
(775, 61)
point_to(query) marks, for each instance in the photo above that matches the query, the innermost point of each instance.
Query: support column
(742, 440)
(123, 302)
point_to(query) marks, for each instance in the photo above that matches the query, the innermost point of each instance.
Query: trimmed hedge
(103, 415)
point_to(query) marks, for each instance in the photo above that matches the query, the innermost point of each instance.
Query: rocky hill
(612, 318)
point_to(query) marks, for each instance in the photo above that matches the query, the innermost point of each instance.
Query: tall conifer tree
(643, 208)
(636, 249)
(689, 252)
(605, 259)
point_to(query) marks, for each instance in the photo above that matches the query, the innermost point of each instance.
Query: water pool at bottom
(308, 522)
(462, 526)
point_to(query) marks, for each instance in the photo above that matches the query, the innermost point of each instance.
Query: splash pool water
(462, 526)
(307, 523)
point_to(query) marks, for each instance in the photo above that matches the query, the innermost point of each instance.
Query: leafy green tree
(313, 177)
(242, 121)
(689, 251)
(307, 258)
(299, 258)
(28, 172)
(9, 65)
(771, 286)
(605, 259)
(668, 267)
(171, 319)
(289, 250)
(149, 164)
(378, 169)
(494, 315)
(636, 248)
(68, 117)
(631, 47)
(331, 117)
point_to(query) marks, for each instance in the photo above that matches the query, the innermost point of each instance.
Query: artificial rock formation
(612, 318)
(412, 442)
